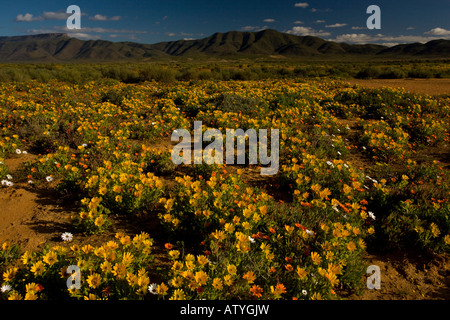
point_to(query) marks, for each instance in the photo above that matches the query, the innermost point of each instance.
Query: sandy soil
(409, 277)
(422, 86)
(30, 216)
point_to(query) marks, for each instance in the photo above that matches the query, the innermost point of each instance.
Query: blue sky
(166, 20)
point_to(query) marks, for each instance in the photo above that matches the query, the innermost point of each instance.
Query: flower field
(361, 170)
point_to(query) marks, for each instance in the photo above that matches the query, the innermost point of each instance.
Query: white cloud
(307, 31)
(185, 35)
(84, 31)
(410, 28)
(354, 37)
(99, 17)
(249, 28)
(46, 15)
(336, 25)
(359, 28)
(107, 30)
(320, 21)
(301, 4)
(27, 17)
(269, 20)
(320, 10)
(54, 16)
(298, 22)
(254, 28)
(438, 32)
(84, 36)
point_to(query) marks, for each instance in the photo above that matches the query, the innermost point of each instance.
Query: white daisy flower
(311, 233)
(24, 152)
(67, 236)
(251, 239)
(371, 214)
(30, 182)
(84, 145)
(335, 208)
(18, 151)
(6, 288)
(304, 292)
(9, 184)
(9, 177)
(4, 182)
(153, 288)
(49, 179)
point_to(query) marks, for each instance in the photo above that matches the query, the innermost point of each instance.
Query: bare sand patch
(421, 86)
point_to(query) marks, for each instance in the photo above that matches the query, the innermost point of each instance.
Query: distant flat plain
(421, 86)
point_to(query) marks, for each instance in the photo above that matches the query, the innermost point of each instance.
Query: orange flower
(256, 291)
(298, 225)
(351, 246)
(272, 230)
(278, 290)
(168, 246)
(289, 267)
(249, 276)
(39, 287)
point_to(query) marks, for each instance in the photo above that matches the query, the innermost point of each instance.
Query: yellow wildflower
(315, 257)
(50, 258)
(38, 268)
(94, 280)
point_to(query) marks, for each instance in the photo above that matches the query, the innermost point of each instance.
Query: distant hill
(54, 47)
(431, 48)
(58, 47)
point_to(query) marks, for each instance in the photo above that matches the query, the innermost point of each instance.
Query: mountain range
(59, 47)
